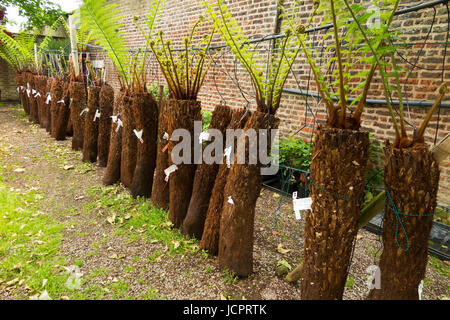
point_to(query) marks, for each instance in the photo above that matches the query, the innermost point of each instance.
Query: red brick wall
(257, 18)
(7, 83)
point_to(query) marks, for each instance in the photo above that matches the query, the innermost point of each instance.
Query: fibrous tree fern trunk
(90, 133)
(182, 114)
(77, 105)
(145, 112)
(112, 173)
(56, 107)
(412, 181)
(205, 177)
(31, 83)
(41, 86)
(160, 190)
(241, 192)
(338, 172)
(47, 107)
(129, 143)
(210, 236)
(104, 127)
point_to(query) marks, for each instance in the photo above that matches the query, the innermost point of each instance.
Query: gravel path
(110, 256)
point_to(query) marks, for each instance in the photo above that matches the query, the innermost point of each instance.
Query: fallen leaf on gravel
(176, 244)
(19, 170)
(359, 236)
(276, 195)
(281, 250)
(69, 167)
(64, 298)
(275, 233)
(79, 198)
(117, 257)
(111, 219)
(12, 282)
(44, 282)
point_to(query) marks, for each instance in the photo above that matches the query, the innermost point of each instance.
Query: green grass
(29, 245)
(136, 218)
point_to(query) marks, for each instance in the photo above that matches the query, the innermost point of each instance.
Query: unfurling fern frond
(268, 84)
(101, 21)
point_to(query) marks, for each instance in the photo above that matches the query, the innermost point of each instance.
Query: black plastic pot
(439, 238)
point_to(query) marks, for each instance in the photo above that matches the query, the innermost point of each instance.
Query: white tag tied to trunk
(33, 92)
(38, 94)
(49, 98)
(166, 136)
(119, 124)
(84, 111)
(18, 89)
(139, 135)
(204, 136)
(28, 92)
(300, 204)
(61, 101)
(97, 115)
(420, 290)
(230, 200)
(227, 154)
(375, 275)
(170, 170)
(114, 119)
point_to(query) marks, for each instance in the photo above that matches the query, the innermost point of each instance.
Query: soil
(180, 276)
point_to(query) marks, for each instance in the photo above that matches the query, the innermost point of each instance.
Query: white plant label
(49, 98)
(119, 124)
(61, 101)
(301, 204)
(227, 154)
(230, 200)
(295, 203)
(170, 170)
(420, 290)
(139, 135)
(97, 115)
(166, 136)
(204, 136)
(374, 281)
(84, 111)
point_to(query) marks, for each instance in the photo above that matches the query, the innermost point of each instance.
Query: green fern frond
(101, 21)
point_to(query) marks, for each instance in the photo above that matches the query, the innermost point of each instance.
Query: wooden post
(36, 55)
(73, 44)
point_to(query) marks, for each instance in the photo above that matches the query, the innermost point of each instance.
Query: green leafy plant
(154, 89)
(206, 119)
(295, 153)
(268, 81)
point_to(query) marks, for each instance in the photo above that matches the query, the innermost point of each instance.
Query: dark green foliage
(39, 13)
